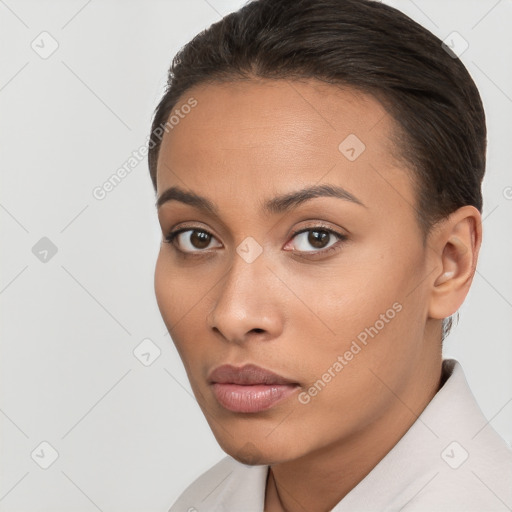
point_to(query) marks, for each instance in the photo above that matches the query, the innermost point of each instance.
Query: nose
(246, 304)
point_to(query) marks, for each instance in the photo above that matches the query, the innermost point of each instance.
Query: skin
(291, 312)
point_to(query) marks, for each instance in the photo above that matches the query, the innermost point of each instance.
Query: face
(324, 290)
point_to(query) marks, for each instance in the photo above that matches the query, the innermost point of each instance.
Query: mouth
(249, 389)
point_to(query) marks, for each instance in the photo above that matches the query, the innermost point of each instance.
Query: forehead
(278, 134)
(242, 112)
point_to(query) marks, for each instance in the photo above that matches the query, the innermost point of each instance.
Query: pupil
(200, 239)
(317, 241)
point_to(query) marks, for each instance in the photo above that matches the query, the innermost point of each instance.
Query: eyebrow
(276, 205)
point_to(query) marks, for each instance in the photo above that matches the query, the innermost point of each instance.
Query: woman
(318, 169)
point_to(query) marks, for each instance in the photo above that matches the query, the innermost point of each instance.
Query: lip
(250, 388)
(246, 375)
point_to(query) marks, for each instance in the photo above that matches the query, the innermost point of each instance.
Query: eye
(187, 243)
(195, 240)
(318, 237)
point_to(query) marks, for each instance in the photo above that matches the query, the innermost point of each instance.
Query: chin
(249, 454)
(255, 454)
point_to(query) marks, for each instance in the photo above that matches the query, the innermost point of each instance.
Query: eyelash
(341, 239)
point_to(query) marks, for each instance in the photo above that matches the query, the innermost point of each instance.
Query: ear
(456, 243)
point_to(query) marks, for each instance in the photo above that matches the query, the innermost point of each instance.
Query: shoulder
(473, 471)
(224, 487)
(473, 480)
(450, 460)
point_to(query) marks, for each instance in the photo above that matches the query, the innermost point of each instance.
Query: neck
(317, 481)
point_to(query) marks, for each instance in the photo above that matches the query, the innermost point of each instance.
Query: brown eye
(317, 238)
(200, 239)
(190, 240)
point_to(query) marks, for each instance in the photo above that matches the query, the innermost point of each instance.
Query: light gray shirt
(450, 459)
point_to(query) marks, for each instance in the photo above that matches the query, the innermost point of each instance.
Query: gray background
(130, 437)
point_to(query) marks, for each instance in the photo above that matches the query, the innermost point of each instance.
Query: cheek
(174, 296)
(163, 287)
(357, 321)
(182, 306)
(176, 292)
(345, 373)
